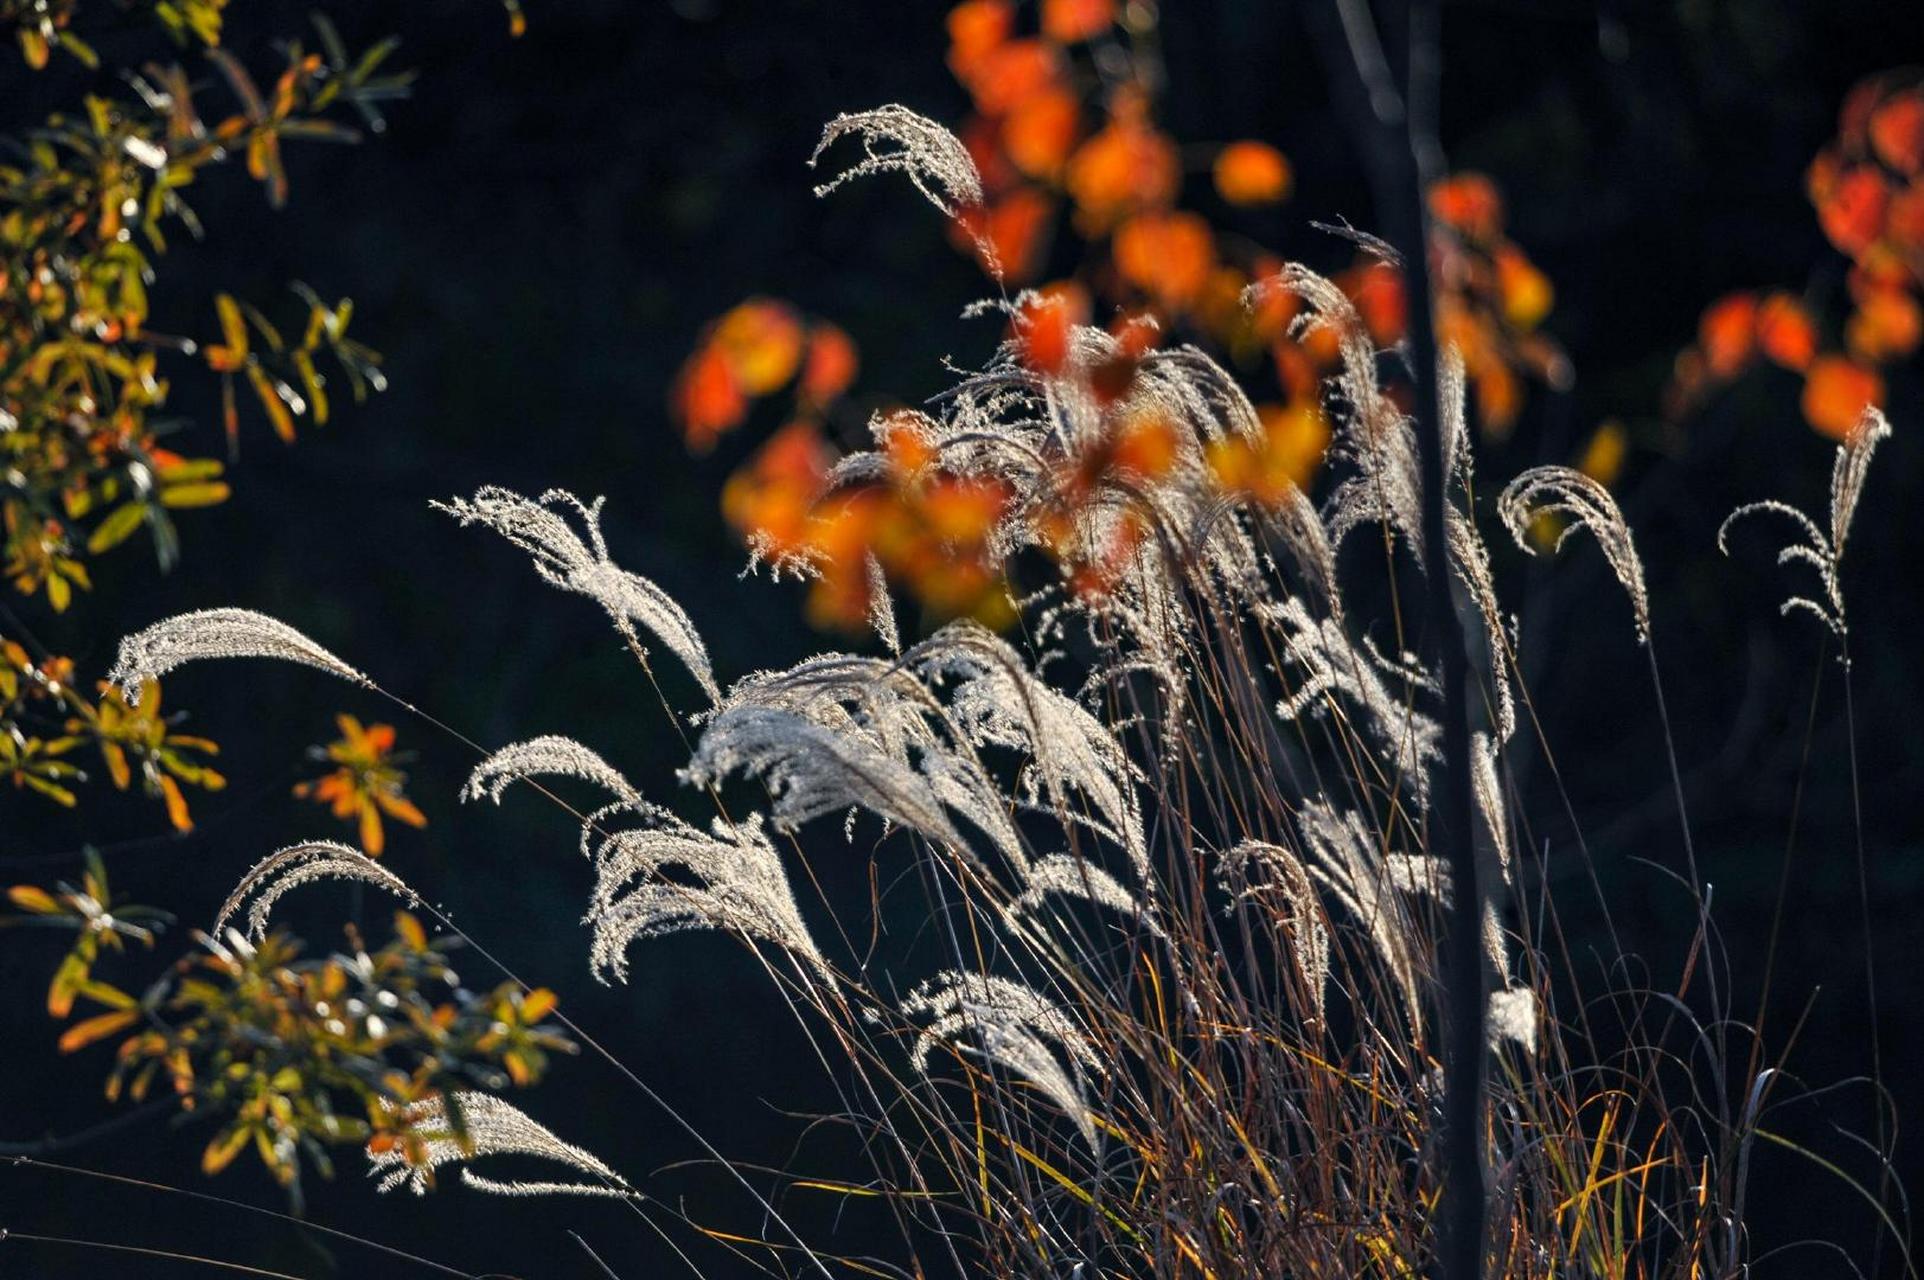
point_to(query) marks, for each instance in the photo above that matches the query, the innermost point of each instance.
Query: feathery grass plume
(1284, 885)
(1348, 861)
(1067, 876)
(492, 1127)
(268, 880)
(812, 770)
(840, 732)
(1471, 561)
(1306, 537)
(1410, 742)
(742, 889)
(897, 140)
(1824, 552)
(1012, 1026)
(216, 633)
(1371, 432)
(1574, 496)
(1467, 554)
(550, 756)
(564, 559)
(1042, 439)
(998, 702)
(881, 606)
(1513, 1016)
(1380, 441)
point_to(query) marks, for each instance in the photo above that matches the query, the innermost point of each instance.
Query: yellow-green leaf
(116, 528)
(33, 898)
(99, 1027)
(205, 494)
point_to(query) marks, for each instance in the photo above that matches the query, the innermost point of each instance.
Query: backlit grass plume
(216, 633)
(1820, 550)
(1568, 494)
(897, 140)
(566, 559)
(285, 870)
(466, 1126)
(1148, 977)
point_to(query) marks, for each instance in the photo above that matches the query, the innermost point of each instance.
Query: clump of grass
(1183, 1010)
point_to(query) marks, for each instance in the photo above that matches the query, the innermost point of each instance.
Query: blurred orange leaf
(1250, 173)
(1836, 391)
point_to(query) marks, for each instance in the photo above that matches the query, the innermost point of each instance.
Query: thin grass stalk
(302, 1223)
(1870, 961)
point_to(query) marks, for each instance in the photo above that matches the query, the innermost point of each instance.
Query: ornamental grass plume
(1173, 1006)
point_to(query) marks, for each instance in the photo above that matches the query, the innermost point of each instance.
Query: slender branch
(1399, 144)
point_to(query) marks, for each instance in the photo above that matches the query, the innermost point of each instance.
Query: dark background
(534, 245)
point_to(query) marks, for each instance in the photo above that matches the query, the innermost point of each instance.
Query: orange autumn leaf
(1499, 396)
(706, 399)
(762, 342)
(1250, 173)
(1377, 291)
(1904, 219)
(1526, 292)
(1887, 325)
(1786, 332)
(771, 497)
(1145, 447)
(1836, 392)
(365, 783)
(962, 510)
(1012, 72)
(1167, 255)
(830, 364)
(1852, 211)
(1727, 333)
(1603, 457)
(1041, 130)
(1897, 132)
(98, 1027)
(1073, 21)
(1008, 235)
(976, 28)
(1294, 439)
(1127, 165)
(1044, 323)
(1469, 203)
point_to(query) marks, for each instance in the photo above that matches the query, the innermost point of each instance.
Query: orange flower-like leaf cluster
(756, 349)
(1867, 186)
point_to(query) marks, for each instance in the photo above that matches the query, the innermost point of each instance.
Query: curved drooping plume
(1576, 497)
(1373, 434)
(1064, 875)
(1821, 551)
(492, 1127)
(1409, 742)
(1379, 440)
(268, 880)
(565, 559)
(1347, 861)
(1012, 1026)
(998, 702)
(897, 140)
(551, 756)
(1256, 871)
(217, 633)
(742, 889)
(839, 732)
